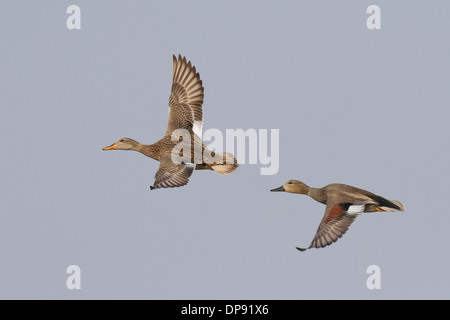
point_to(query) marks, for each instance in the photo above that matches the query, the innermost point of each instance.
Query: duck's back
(347, 193)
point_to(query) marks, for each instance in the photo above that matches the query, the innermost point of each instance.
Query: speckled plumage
(185, 112)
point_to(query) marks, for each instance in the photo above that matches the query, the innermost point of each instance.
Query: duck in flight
(344, 204)
(185, 112)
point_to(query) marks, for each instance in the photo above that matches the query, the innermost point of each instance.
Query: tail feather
(388, 204)
(398, 206)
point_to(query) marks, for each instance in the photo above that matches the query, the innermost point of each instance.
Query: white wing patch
(356, 209)
(198, 128)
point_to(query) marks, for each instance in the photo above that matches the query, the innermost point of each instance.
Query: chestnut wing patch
(335, 223)
(336, 211)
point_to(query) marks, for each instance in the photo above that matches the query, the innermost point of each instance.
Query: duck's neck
(150, 150)
(318, 194)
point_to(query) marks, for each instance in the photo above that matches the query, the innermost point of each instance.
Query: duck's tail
(385, 205)
(228, 165)
(397, 207)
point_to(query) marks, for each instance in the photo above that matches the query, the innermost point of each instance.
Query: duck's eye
(121, 140)
(290, 182)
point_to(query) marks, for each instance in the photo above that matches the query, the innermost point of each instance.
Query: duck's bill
(111, 147)
(278, 189)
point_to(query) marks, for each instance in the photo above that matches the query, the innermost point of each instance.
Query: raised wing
(186, 98)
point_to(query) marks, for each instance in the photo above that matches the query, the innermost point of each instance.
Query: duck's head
(123, 144)
(294, 186)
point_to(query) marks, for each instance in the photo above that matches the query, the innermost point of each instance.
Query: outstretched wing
(170, 175)
(337, 219)
(186, 98)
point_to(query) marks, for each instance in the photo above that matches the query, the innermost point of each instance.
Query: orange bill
(111, 147)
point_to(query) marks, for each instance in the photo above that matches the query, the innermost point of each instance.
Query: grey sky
(366, 108)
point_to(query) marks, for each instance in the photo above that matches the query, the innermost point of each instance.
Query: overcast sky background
(361, 107)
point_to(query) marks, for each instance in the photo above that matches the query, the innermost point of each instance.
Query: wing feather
(186, 98)
(170, 175)
(337, 219)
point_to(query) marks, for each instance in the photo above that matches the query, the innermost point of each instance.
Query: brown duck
(185, 112)
(343, 205)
